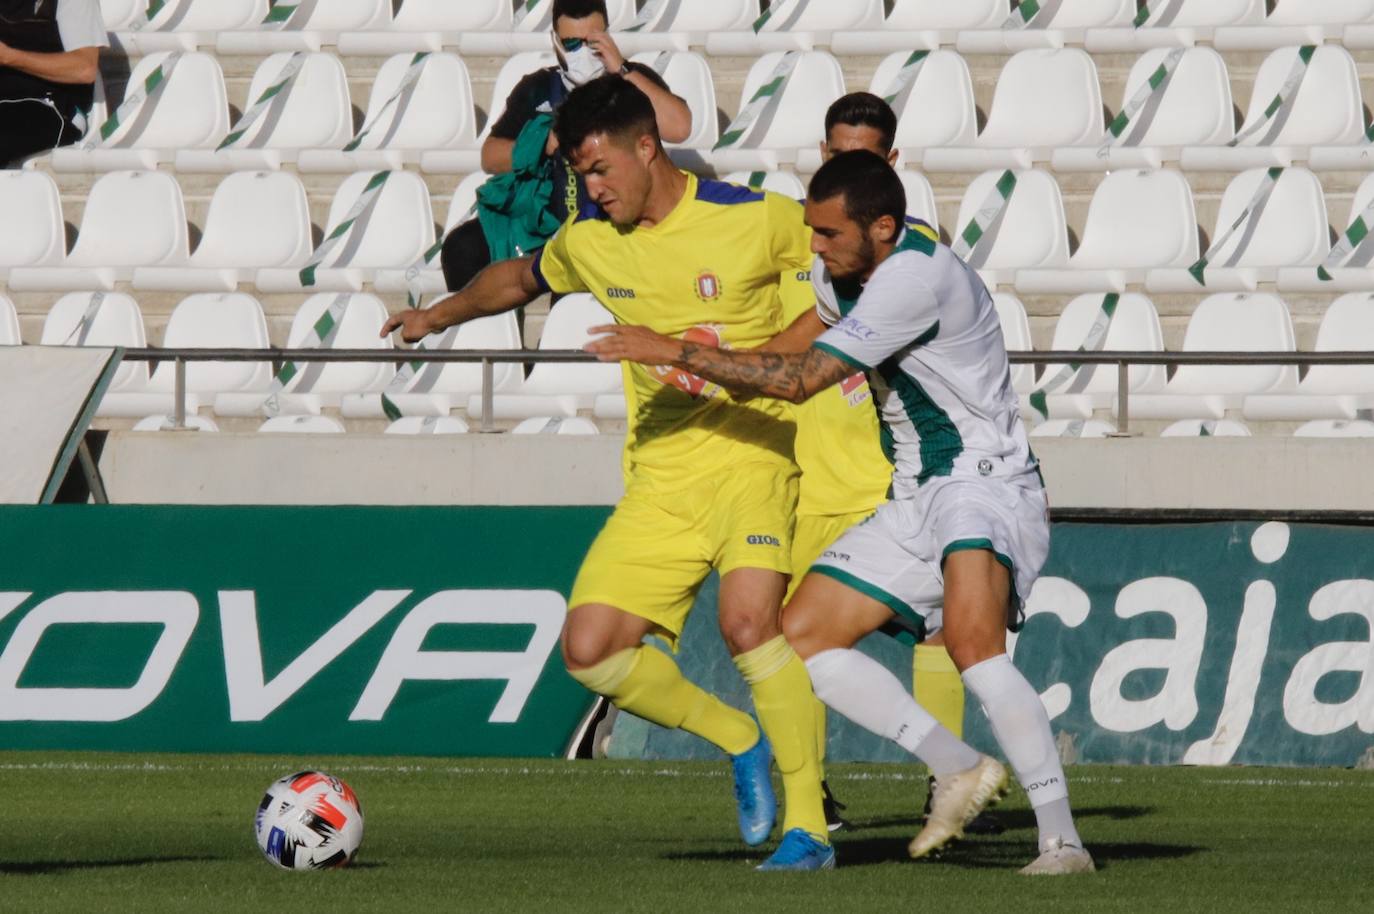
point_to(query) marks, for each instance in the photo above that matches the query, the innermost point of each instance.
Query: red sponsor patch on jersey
(706, 335)
(853, 383)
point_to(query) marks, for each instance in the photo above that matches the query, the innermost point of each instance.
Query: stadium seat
(1134, 327)
(556, 425)
(610, 406)
(920, 197)
(801, 25)
(555, 389)
(189, 25)
(1227, 322)
(1327, 110)
(256, 220)
(438, 388)
(188, 111)
(203, 321)
(1294, 22)
(9, 324)
(428, 25)
(317, 385)
(132, 219)
(937, 110)
(33, 232)
(392, 231)
(1179, 23)
(1137, 221)
(165, 423)
(1206, 428)
(434, 112)
(679, 26)
(79, 319)
(794, 119)
(922, 24)
(466, 161)
(1073, 428)
(312, 26)
(1192, 107)
(312, 112)
(427, 425)
(1053, 25)
(1344, 272)
(429, 277)
(1044, 100)
(1286, 228)
(530, 27)
(689, 77)
(122, 14)
(1330, 391)
(307, 425)
(779, 182)
(1029, 232)
(1335, 428)
(1016, 335)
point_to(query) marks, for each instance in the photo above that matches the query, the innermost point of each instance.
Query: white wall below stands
(1280, 474)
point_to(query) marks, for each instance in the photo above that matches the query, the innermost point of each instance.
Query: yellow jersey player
(710, 482)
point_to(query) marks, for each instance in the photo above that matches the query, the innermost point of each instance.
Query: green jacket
(514, 207)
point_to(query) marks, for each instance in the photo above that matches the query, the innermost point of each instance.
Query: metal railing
(489, 358)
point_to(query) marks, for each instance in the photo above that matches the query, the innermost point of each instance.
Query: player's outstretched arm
(799, 335)
(504, 285)
(792, 376)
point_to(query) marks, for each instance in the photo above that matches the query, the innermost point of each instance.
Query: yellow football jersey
(709, 271)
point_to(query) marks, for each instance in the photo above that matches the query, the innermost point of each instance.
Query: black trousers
(465, 254)
(32, 120)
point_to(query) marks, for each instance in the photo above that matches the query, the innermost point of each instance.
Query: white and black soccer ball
(309, 821)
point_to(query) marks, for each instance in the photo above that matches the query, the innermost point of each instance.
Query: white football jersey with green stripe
(925, 329)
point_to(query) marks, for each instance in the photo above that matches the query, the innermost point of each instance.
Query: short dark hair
(863, 109)
(579, 9)
(608, 104)
(871, 188)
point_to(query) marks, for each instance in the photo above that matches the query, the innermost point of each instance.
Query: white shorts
(897, 555)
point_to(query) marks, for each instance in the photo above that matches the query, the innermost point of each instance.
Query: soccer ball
(309, 821)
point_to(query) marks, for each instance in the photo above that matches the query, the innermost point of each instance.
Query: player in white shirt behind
(966, 531)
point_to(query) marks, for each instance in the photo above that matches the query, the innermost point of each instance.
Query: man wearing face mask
(585, 51)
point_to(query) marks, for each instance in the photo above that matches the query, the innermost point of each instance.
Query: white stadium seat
(392, 232)
(313, 112)
(922, 24)
(555, 389)
(920, 197)
(1206, 428)
(132, 219)
(203, 321)
(438, 388)
(256, 220)
(555, 425)
(799, 25)
(1335, 428)
(1073, 428)
(1044, 100)
(32, 232)
(317, 385)
(1327, 110)
(427, 425)
(1192, 107)
(430, 279)
(1287, 229)
(530, 28)
(1351, 274)
(1330, 391)
(779, 182)
(428, 25)
(689, 77)
(679, 26)
(1137, 221)
(1134, 328)
(466, 161)
(1030, 231)
(794, 120)
(115, 320)
(434, 113)
(938, 110)
(165, 423)
(1179, 23)
(122, 14)
(189, 111)
(303, 425)
(1294, 22)
(1016, 335)
(1228, 322)
(319, 24)
(191, 24)
(1053, 26)
(9, 324)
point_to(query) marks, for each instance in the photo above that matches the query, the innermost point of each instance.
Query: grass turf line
(121, 832)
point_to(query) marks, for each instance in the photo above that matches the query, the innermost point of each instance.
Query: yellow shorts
(815, 532)
(657, 547)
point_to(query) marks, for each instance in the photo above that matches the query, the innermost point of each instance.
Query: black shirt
(31, 25)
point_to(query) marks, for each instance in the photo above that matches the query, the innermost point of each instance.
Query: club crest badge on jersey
(700, 388)
(708, 286)
(855, 389)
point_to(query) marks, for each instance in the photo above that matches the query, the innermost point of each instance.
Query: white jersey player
(966, 531)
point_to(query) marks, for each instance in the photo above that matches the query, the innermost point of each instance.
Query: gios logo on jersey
(706, 335)
(708, 286)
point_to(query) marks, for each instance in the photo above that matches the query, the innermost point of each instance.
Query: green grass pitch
(94, 833)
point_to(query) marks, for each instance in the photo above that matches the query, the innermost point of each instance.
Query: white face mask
(580, 66)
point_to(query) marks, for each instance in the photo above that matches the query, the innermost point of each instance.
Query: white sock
(1022, 729)
(863, 690)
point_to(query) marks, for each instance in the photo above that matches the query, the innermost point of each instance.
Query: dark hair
(863, 109)
(579, 9)
(609, 105)
(871, 188)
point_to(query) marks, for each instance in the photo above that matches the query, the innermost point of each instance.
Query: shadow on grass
(47, 867)
(1011, 819)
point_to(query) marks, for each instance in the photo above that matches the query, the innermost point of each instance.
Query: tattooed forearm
(795, 377)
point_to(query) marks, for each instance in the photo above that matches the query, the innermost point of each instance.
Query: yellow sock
(936, 684)
(787, 709)
(820, 738)
(647, 683)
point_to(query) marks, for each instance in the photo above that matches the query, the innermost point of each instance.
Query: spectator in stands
(49, 60)
(860, 120)
(585, 51)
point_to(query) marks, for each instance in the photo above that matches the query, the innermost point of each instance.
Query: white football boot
(1060, 859)
(957, 801)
